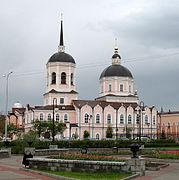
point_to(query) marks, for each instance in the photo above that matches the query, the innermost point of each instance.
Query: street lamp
(141, 105)
(53, 119)
(6, 107)
(148, 124)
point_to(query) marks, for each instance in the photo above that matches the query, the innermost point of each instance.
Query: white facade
(117, 105)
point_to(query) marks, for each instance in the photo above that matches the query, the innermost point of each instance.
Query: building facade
(168, 125)
(117, 106)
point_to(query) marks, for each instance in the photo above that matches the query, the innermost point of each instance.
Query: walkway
(10, 169)
(170, 172)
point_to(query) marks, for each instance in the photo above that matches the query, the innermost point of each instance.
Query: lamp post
(148, 124)
(53, 119)
(6, 107)
(141, 105)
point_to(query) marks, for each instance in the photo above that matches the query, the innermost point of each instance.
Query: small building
(168, 125)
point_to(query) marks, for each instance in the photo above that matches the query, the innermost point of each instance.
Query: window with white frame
(121, 119)
(154, 120)
(57, 117)
(41, 117)
(146, 119)
(86, 118)
(121, 87)
(97, 118)
(61, 100)
(49, 117)
(53, 78)
(65, 118)
(129, 88)
(129, 119)
(137, 119)
(109, 119)
(97, 136)
(71, 78)
(63, 78)
(110, 88)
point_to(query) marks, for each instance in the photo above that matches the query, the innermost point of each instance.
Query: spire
(116, 59)
(61, 47)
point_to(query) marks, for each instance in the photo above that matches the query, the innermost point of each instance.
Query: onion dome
(61, 57)
(116, 69)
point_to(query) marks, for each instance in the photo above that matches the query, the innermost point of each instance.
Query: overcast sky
(148, 40)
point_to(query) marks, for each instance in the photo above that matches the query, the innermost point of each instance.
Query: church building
(118, 105)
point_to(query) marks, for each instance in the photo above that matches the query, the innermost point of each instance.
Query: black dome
(61, 57)
(116, 70)
(116, 55)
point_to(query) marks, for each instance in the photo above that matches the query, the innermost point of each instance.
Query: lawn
(91, 176)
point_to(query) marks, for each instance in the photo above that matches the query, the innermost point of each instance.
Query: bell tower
(61, 76)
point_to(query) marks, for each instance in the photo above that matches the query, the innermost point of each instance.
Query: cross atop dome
(116, 58)
(61, 47)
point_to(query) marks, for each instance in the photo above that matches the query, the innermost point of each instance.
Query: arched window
(97, 136)
(41, 117)
(49, 117)
(154, 120)
(129, 119)
(121, 88)
(97, 118)
(63, 78)
(65, 118)
(57, 117)
(72, 79)
(109, 119)
(146, 119)
(121, 119)
(86, 118)
(129, 88)
(53, 78)
(137, 119)
(110, 88)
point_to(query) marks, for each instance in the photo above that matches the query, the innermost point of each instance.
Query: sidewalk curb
(131, 177)
(47, 174)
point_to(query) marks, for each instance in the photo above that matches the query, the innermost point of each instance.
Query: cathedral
(118, 105)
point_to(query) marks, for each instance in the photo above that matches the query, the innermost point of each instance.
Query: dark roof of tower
(116, 70)
(116, 55)
(61, 57)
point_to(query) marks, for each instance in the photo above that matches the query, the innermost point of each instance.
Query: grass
(91, 176)
(168, 156)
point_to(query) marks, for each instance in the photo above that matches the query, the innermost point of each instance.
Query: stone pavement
(170, 172)
(11, 169)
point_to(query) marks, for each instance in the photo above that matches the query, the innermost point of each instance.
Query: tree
(163, 135)
(86, 134)
(46, 127)
(39, 127)
(11, 129)
(30, 136)
(128, 131)
(2, 124)
(109, 132)
(59, 127)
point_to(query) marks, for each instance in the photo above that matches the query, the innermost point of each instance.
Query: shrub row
(18, 146)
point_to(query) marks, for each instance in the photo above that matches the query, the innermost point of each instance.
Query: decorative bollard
(6, 143)
(135, 148)
(84, 150)
(29, 143)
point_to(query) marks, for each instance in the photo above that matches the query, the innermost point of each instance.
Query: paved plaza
(11, 169)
